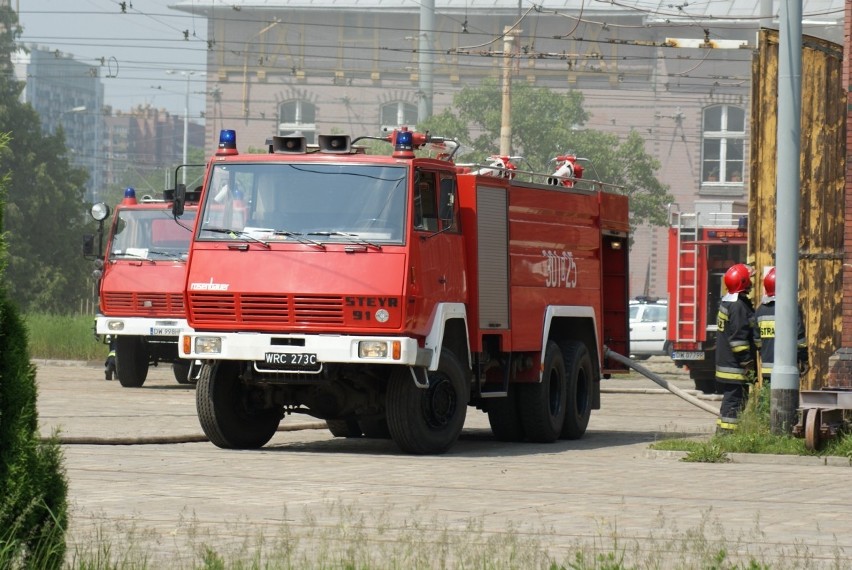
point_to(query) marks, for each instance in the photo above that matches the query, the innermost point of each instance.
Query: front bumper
(267, 348)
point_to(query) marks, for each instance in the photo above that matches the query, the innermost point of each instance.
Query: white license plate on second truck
(165, 331)
(686, 355)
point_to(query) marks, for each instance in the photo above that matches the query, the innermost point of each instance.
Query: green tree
(33, 508)
(45, 214)
(546, 124)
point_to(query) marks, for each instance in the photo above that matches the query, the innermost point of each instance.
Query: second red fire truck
(141, 281)
(703, 244)
(388, 294)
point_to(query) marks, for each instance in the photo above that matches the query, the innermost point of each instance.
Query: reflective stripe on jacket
(765, 334)
(735, 346)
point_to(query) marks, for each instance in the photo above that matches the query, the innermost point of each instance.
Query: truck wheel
(542, 405)
(181, 371)
(578, 406)
(344, 428)
(428, 421)
(131, 361)
(375, 429)
(504, 417)
(228, 413)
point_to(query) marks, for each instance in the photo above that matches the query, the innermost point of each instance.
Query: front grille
(129, 303)
(262, 308)
(252, 309)
(318, 310)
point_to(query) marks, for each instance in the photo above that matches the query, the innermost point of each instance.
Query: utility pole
(506, 114)
(188, 75)
(426, 58)
(784, 398)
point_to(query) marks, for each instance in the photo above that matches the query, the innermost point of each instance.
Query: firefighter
(765, 331)
(735, 346)
(109, 364)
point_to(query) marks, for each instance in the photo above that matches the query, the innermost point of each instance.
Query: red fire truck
(386, 294)
(141, 282)
(703, 244)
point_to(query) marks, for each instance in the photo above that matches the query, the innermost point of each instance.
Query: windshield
(150, 234)
(306, 203)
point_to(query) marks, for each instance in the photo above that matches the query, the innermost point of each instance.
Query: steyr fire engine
(141, 282)
(703, 244)
(386, 294)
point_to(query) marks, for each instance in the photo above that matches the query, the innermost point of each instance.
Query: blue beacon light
(227, 142)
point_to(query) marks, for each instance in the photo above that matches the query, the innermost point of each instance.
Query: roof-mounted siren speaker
(340, 144)
(293, 144)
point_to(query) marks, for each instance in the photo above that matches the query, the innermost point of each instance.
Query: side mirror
(89, 245)
(180, 200)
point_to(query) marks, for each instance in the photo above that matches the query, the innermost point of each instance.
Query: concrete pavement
(166, 499)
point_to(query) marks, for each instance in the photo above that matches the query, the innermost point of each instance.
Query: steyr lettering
(372, 302)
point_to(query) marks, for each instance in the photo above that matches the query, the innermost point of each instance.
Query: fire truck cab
(387, 294)
(141, 278)
(703, 244)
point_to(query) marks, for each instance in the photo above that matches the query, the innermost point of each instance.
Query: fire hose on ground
(160, 439)
(661, 381)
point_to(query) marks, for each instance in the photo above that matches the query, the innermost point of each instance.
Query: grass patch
(63, 337)
(754, 435)
(338, 535)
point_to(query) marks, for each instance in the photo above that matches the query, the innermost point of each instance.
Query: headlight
(100, 211)
(97, 274)
(115, 325)
(208, 345)
(372, 349)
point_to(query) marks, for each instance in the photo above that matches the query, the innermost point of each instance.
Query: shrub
(33, 509)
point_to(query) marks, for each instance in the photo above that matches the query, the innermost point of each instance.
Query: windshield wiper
(134, 256)
(237, 233)
(299, 237)
(166, 254)
(354, 237)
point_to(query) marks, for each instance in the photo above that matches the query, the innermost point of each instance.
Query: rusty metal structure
(823, 155)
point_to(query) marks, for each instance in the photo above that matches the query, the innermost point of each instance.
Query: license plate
(682, 355)
(291, 359)
(165, 331)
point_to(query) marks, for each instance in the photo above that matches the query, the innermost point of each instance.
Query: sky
(135, 50)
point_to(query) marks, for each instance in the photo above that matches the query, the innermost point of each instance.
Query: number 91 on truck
(389, 294)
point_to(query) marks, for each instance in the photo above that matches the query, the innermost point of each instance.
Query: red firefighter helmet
(738, 278)
(769, 283)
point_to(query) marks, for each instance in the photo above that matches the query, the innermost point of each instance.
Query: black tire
(428, 420)
(131, 361)
(504, 417)
(344, 428)
(375, 429)
(226, 411)
(542, 405)
(181, 371)
(580, 389)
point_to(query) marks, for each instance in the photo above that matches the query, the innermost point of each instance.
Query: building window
(398, 113)
(723, 144)
(298, 117)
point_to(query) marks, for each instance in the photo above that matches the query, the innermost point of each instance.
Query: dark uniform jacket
(735, 339)
(765, 336)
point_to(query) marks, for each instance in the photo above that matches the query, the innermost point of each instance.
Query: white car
(648, 324)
